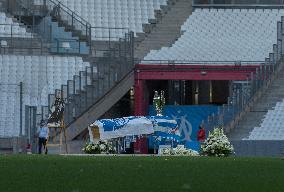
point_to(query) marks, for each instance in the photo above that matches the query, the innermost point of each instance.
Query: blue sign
(188, 118)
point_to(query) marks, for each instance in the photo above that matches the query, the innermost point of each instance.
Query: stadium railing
(201, 63)
(92, 84)
(245, 94)
(17, 42)
(237, 2)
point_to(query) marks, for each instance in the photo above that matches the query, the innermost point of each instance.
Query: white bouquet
(217, 144)
(178, 151)
(98, 147)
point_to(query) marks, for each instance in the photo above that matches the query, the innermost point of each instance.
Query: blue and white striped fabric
(160, 126)
(166, 127)
(122, 127)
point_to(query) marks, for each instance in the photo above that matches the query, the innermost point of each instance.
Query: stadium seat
(271, 127)
(8, 28)
(114, 13)
(40, 76)
(224, 35)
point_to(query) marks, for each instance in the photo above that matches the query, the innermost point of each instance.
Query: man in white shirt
(42, 132)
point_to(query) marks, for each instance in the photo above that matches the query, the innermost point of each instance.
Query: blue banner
(188, 118)
(160, 126)
(165, 127)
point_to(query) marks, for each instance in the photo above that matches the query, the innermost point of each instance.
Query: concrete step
(101, 107)
(253, 118)
(167, 30)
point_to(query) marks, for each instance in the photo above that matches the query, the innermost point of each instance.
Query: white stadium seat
(9, 28)
(224, 35)
(115, 14)
(271, 127)
(40, 76)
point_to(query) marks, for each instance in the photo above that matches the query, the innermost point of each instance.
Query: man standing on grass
(42, 136)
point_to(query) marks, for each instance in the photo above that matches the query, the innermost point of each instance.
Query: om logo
(185, 127)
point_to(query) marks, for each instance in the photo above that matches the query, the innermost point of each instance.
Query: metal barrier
(68, 46)
(258, 148)
(93, 36)
(23, 8)
(74, 21)
(108, 34)
(15, 37)
(110, 62)
(33, 117)
(95, 81)
(31, 126)
(245, 93)
(238, 2)
(12, 93)
(201, 63)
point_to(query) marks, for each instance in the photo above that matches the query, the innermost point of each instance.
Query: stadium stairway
(254, 116)
(167, 30)
(108, 97)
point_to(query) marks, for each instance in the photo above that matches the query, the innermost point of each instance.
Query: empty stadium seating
(9, 28)
(272, 127)
(40, 75)
(123, 15)
(223, 35)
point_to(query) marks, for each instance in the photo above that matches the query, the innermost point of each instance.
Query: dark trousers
(42, 142)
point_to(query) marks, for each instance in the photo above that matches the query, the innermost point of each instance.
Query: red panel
(139, 98)
(193, 72)
(189, 75)
(188, 66)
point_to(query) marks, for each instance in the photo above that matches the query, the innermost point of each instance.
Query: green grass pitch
(27, 173)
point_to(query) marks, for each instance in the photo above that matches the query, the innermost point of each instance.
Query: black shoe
(46, 150)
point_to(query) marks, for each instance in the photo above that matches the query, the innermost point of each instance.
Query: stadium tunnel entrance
(187, 84)
(190, 92)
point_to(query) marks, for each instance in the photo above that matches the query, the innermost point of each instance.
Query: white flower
(179, 151)
(99, 147)
(102, 147)
(217, 144)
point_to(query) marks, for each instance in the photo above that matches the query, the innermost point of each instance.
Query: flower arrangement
(159, 102)
(178, 151)
(217, 144)
(98, 147)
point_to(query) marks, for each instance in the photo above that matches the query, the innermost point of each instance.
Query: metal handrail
(56, 2)
(243, 6)
(101, 98)
(72, 49)
(19, 25)
(240, 101)
(74, 18)
(110, 28)
(13, 43)
(191, 62)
